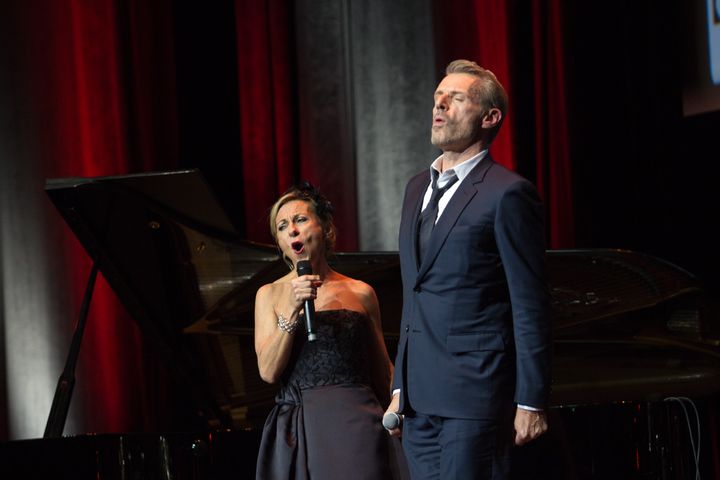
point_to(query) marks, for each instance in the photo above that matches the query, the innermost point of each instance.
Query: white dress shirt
(462, 170)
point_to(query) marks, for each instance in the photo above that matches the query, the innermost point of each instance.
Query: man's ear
(491, 118)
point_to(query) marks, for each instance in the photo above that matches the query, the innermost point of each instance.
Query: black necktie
(429, 215)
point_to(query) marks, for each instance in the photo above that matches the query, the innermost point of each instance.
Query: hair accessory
(323, 208)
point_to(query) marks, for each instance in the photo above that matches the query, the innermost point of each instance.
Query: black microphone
(391, 420)
(304, 267)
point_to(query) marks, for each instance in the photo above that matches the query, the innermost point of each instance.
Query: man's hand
(529, 425)
(393, 408)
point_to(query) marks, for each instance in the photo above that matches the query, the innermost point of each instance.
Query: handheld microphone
(391, 420)
(304, 267)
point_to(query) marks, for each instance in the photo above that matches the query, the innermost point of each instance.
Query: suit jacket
(475, 331)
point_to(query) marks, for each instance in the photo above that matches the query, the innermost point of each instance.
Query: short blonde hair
(319, 205)
(489, 92)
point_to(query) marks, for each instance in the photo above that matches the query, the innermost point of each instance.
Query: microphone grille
(391, 420)
(304, 267)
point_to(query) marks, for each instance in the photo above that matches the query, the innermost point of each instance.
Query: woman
(326, 423)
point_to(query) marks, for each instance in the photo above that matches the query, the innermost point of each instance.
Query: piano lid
(168, 250)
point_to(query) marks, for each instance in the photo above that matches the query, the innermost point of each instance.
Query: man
(475, 342)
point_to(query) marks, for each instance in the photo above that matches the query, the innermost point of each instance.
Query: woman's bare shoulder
(274, 289)
(363, 290)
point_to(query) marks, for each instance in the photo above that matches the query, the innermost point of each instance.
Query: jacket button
(417, 289)
(407, 328)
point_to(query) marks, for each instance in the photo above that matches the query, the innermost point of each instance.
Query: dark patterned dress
(327, 422)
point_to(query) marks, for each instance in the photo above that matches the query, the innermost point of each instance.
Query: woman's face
(299, 232)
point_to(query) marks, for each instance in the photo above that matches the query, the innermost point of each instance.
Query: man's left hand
(529, 425)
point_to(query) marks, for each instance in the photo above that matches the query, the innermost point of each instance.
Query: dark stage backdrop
(260, 94)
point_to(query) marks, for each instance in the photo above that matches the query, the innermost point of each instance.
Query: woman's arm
(272, 344)
(381, 366)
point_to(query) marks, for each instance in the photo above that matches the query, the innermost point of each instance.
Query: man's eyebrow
(450, 92)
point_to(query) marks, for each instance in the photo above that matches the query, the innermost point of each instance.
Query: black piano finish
(628, 440)
(631, 330)
(169, 456)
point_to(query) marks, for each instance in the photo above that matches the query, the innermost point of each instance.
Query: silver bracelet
(285, 325)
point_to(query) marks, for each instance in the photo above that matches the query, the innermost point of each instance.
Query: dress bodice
(339, 355)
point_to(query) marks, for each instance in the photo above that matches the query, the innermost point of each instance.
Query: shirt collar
(461, 170)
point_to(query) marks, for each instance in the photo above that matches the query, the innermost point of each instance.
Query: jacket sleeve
(520, 236)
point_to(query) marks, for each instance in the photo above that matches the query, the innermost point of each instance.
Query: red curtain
(91, 129)
(267, 108)
(554, 169)
(277, 148)
(493, 52)
(94, 84)
(494, 39)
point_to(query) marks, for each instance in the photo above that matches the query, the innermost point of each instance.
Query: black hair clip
(322, 205)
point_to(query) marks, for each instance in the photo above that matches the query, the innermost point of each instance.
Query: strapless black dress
(327, 421)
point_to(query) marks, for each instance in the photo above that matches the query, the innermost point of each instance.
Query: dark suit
(475, 334)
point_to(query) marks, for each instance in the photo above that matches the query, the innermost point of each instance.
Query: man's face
(456, 115)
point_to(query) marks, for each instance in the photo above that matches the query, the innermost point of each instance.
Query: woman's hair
(319, 205)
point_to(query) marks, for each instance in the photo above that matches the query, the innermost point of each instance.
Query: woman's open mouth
(298, 247)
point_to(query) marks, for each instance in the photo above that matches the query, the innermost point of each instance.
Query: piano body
(632, 336)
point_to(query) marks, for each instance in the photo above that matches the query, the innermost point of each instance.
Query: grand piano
(637, 361)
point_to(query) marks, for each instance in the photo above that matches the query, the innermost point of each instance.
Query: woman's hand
(304, 288)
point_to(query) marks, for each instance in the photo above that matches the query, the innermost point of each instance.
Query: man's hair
(319, 205)
(488, 91)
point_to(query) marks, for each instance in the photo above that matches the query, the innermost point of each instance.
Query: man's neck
(451, 159)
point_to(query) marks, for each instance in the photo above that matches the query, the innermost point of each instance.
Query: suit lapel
(466, 191)
(411, 211)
